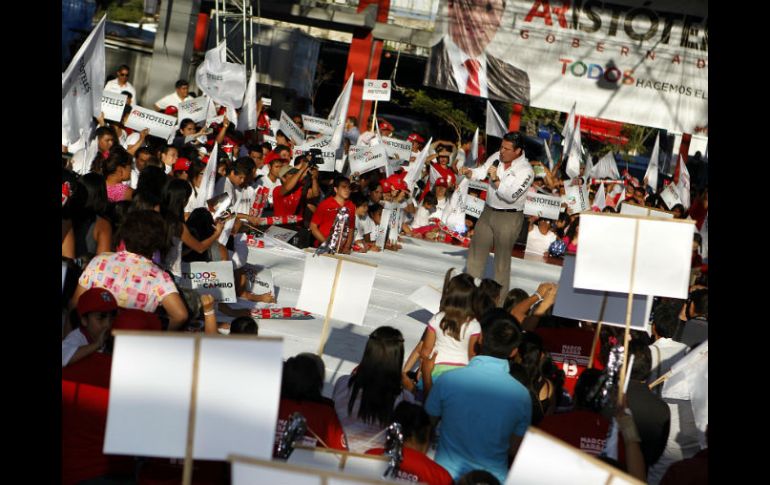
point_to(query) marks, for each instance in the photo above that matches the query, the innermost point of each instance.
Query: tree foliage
(442, 109)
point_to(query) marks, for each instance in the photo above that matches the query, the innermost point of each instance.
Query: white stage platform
(399, 274)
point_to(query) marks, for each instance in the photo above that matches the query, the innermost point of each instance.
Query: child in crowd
(366, 230)
(97, 309)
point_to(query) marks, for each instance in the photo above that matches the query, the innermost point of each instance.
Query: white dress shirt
(514, 182)
(457, 57)
(171, 100)
(114, 87)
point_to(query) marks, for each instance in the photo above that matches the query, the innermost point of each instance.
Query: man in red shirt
(288, 197)
(323, 219)
(416, 466)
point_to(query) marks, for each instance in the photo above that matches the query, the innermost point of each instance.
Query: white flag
(589, 167)
(684, 184)
(248, 117)
(470, 160)
(454, 212)
(573, 153)
(434, 175)
(688, 381)
(495, 125)
(600, 199)
(414, 170)
(651, 175)
(339, 113)
(548, 155)
(605, 168)
(569, 125)
(82, 85)
(224, 82)
(206, 190)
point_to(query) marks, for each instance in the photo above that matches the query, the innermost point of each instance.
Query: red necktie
(473, 77)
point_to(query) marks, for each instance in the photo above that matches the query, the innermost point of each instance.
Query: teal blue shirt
(481, 406)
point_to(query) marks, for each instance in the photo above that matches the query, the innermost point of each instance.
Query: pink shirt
(117, 192)
(135, 281)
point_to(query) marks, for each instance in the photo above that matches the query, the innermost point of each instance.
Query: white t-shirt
(364, 226)
(71, 344)
(451, 351)
(442, 204)
(266, 182)
(538, 243)
(81, 160)
(422, 217)
(190, 206)
(171, 100)
(114, 87)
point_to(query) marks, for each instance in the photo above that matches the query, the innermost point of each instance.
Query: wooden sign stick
(325, 331)
(629, 308)
(188, 456)
(595, 343)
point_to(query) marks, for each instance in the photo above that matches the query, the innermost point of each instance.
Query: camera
(314, 157)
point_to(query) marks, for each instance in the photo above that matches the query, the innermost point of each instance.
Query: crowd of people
(490, 363)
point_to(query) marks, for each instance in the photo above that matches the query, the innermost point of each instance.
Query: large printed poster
(629, 61)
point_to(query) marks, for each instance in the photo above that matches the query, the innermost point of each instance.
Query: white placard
(581, 304)
(367, 158)
(382, 227)
(542, 205)
(478, 185)
(160, 125)
(637, 210)
(318, 125)
(290, 129)
(194, 109)
(275, 472)
(239, 388)
(400, 149)
(149, 395)
(427, 297)
(261, 277)
(353, 288)
(275, 125)
(577, 198)
(247, 471)
(270, 140)
(215, 279)
(323, 145)
(605, 255)
(113, 105)
(474, 206)
(670, 196)
(539, 451)
(239, 381)
(376, 90)
(370, 466)
(267, 102)
(280, 233)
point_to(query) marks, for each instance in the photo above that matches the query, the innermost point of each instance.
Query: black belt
(504, 210)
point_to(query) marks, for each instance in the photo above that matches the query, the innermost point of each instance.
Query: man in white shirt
(81, 160)
(500, 223)
(272, 179)
(180, 95)
(540, 237)
(120, 84)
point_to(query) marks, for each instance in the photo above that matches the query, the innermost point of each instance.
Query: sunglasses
(123, 74)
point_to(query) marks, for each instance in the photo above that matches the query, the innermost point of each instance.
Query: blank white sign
(239, 382)
(605, 255)
(251, 471)
(370, 466)
(427, 297)
(353, 289)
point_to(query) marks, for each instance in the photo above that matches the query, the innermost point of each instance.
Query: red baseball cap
(415, 137)
(133, 319)
(384, 125)
(97, 300)
(271, 156)
(171, 110)
(441, 182)
(386, 185)
(182, 164)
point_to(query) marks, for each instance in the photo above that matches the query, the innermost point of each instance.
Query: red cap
(171, 110)
(271, 156)
(222, 110)
(133, 319)
(97, 300)
(182, 164)
(415, 137)
(384, 125)
(441, 182)
(205, 159)
(386, 185)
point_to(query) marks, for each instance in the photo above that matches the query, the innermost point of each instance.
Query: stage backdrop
(620, 61)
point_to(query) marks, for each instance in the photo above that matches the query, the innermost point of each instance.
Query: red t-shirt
(570, 349)
(584, 430)
(327, 211)
(286, 205)
(416, 467)
(85, 396)
(321, 418)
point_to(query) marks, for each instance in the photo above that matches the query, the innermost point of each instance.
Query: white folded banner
(290, 129)
(160, 125)
(317, 125)
(113, 105)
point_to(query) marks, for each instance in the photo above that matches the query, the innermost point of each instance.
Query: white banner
(317, 125)
(215, 279)
(670, 196)
(364, 159)
(541, 205)
(224, 82)
(577, 198)
(397, 148)
(290, 129)
(270, 140)
(247, 119)
(339, 113)
(82, 85)
(160, 125)
(280, 233)
(113, 105)
(628, 61)
(194, 109)
(267, 102)
(376, 90)
(321, 144)
(474, 206)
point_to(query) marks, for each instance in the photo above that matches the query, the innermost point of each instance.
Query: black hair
(700, 298)
(572, 229)
(185, 123)
(123, 66)
(89, 198)
(266, 145)
(666, 320)
(430, 198)
(118, 157)
(358, 199)
(303, 378)
(339, 179)
(144, 232)
(377, 380)
(181, 83)
(477, 477)
(414, 421)
(500, 334)
(175, 195)
(486, 298)
(150, 185)
(374, 209)
(200, 223)
(515, 137)
(642, 360)
(584, 388)
(244, 325)
(279, 148)
(103, 130)
(458, 304)
(243, 166)
(513, 298)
